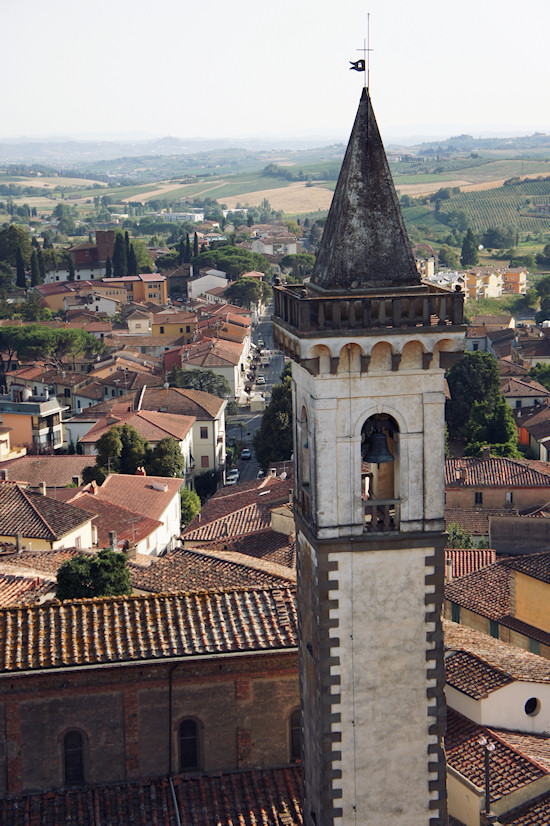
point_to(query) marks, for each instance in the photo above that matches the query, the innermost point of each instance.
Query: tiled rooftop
(475, 520)
(536, 566)
(193, 569)
(515, 662)
(187, 402)
(533, 813)
(249, 519)
(496, 472)
(140, 491)
(36, 516)
(510, 769)
(20, 590)
(129, 525)
(473, 677)
(486, 592)
(55, 471)
(467, 560)
(150, 424)
(130, 629)
(266, 544)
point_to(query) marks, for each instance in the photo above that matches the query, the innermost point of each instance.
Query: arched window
(295, 736)
(380, 473)
(73, 756)
(189, 745)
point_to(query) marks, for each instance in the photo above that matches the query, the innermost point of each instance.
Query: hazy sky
(239, 68)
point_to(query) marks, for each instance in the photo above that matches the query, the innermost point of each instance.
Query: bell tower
(369, 343)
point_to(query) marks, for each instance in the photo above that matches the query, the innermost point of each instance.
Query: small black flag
(358, 66)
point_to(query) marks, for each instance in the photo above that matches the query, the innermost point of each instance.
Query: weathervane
(363, 65)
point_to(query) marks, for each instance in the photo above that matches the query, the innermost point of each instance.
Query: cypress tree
(20, 279)
(108, 268)
(120, 261)
(187, 256)
(195, 245)
(41, 266)
(181, 252)
(132, 261)
(469, 256)
(127, 243)
(35, 270)
(71, 270)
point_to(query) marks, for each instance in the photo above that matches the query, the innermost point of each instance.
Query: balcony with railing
(310, 313)
(381, 515)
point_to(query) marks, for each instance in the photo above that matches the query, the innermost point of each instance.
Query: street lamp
(488, 749)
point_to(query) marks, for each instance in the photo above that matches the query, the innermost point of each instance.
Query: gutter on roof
(156, 661)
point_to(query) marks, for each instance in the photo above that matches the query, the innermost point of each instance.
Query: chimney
(42, 488)
(273, 471)
(486, 453)
(94, 535)
(140, 471)
(19, 542)
(449, 568)
(93, 488)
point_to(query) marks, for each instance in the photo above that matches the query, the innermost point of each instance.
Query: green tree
(14, 238)
(458, 537)
(206, 380)
(105, 574)
(35, 270)
(120, 262)
(187, 254)
(244, 292)
(470, 254)
(108, 268)
(492, 426)
(166, 459)
(195, 245)
(447, 257)
(32, 309)
(273, 441)
(132, 261)
(120, 450)
(20, 277)
(41, 266)
(190, 505)
(475, 378)
(71, 269)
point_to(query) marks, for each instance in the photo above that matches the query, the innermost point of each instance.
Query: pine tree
(35, 270)
(469, 256)
(108, 268)
(195, 245)
(20, 279)
(120, 261)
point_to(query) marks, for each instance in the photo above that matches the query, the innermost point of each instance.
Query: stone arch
(380, 408)
(322, 352)
(411, 355)
(380, 357)
(380, 479)
(349, 360)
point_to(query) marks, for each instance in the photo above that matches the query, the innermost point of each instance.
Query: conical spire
(365, 243)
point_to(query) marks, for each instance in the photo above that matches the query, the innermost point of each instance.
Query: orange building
(147, 286)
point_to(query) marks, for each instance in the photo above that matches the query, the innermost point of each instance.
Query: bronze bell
(377, 451)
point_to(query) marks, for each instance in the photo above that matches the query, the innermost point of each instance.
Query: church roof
(365, 244)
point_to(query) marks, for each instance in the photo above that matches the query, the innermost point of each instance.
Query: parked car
(260, 380)
(233, 476)
(246, 454)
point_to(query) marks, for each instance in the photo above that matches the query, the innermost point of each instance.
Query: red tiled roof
(473, 677)
(55, 471)
(245, 520)
(193, 569)
(130, 526)
(513, 386)
(21, 590)
(130, 629)
(475, 520)
(533, 565)
(36, 516)
(122, 489)
(466, 560)
(153, 426)
(510, 769)
(515, 662)
(40, 563)
(244, 798)
(533, 813)
(266, 544)
(485, 592)
(195, 403)
(496, 472)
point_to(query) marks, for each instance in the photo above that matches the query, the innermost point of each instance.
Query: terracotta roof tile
(534, 565)
(496, 472)
(141, 491)
(475, 520)
(130, 526)
(129, 629)
(510, 769)
(20, 590)
(508, 659)
(466, 560)
(249, 519)
(150, 424)
(485, 592)
(186, 402)
(192, 569)
(55, 471)
(513, 386)
(36, 516)
(473, 677)
(533, 813)
(266, 544)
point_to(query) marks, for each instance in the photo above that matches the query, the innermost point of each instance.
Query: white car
(232, 477)
(260, 380)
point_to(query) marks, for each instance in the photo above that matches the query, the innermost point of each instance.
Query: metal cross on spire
(363, 65)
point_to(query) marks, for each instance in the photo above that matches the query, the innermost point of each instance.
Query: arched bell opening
(303, 462)
(380, 473)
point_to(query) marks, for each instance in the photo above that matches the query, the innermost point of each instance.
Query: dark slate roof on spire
(365, 244)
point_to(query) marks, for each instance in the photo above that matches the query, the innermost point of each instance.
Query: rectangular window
(204, 461)
(162, 331)
(204, 433)
(493, 628)
(509, 497)
(534, 646)
(478, 497)
(188, 329)
(455, 612)
(78, 542)
(518, 402)
(67, 393)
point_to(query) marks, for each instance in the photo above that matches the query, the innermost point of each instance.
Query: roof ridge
(44, 520)
(494, 733)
